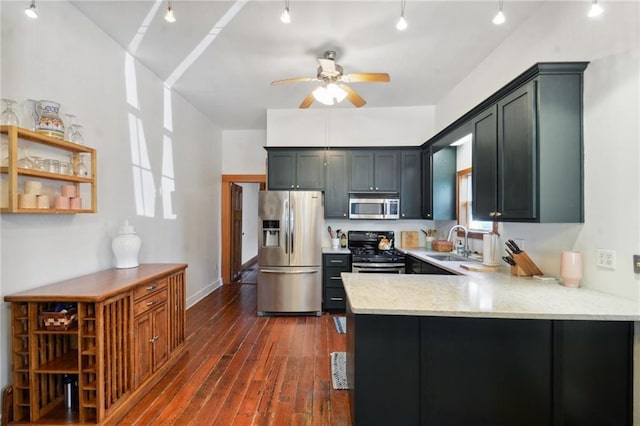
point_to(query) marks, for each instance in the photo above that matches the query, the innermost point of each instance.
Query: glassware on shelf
(25, 161)
(40, 164)
(30, 117)
(9, 116)
(78, 167)
(75, 134)
(69, 126)
(65, 168)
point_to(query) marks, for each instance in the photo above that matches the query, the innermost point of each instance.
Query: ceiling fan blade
(366, 77)
(294, 80)
(353, 97)
(306, 102)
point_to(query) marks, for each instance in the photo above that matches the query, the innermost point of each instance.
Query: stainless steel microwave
(372, 207)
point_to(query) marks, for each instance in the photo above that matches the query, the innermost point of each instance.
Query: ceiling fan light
(499, 19)
(285, 17)
(169, 16)
(31, 11)
(336, 92)
(596, 9)
(402, 24)
(322, 95)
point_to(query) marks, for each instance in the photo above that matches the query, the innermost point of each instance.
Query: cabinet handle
(371, 188)
(152, 303)
(336, 278)
(428, 214)
(336, 261)
(402, 214)
(498, 214)
(297, 186)
(337, 299)
(377, 188)
(492, 214)
(154, 339)
(153, 287)
(344, 215)
(292, 186)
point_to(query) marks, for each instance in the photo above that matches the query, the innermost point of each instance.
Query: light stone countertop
(340, 250)
(481, 295)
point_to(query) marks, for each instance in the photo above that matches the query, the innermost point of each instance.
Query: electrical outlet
(636, 263)
(606, 259)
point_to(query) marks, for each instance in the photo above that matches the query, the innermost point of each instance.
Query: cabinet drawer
(150, 302)
(332, 277)
(337, 260)
(335, 298)
(143, 290)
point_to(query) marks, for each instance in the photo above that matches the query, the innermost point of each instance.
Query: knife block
(525, 267)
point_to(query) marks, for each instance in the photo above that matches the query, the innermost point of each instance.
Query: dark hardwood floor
(241, 369)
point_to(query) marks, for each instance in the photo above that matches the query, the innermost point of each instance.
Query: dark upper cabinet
(410, 185)
(439, 184)
(374, 171)
(296, 170)
(527, 152)
(336, 194)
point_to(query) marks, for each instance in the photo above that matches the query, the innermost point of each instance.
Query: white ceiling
(230, 80)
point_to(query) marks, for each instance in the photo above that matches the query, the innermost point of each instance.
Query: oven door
(377, 268)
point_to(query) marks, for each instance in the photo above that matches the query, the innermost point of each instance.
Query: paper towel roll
(27, 201)
(490, 250)
(32, 187)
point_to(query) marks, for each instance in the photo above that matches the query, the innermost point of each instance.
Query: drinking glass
(69, 128)
(75, 134)
(30, 117)
(8, 116)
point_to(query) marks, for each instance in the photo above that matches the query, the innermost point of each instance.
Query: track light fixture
(285, 17)
(596, 9)
(499, 18)
(31, 11)
(169, 16)
(402, 23)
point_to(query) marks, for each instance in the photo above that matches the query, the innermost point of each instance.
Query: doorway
(229, 216)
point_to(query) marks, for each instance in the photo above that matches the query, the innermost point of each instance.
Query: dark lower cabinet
(416, 266)
(445, 371)
(333, 294)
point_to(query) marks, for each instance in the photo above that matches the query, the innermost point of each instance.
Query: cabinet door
(386, 175)
(281, 170)
(309, 170)
(160, 338)
(478, 371)
(485, 165)
(410, 188)
(143, 332)
(336, 194)
(517, 155)
(443, 187)
(427, 205)
(362, 163)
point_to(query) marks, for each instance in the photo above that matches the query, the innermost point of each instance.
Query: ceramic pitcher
(49, 122)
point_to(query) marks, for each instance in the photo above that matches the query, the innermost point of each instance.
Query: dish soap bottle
(343, 240)
(126, 247)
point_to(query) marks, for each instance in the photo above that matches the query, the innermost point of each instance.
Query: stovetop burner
(364, 247)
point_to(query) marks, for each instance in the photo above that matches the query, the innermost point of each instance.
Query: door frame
(225, 216)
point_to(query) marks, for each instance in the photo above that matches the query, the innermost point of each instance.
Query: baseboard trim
(204, 292)
(249, 263)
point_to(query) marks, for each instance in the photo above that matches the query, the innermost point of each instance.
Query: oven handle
(379, 270)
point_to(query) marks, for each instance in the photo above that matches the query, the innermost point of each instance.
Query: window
(465, 206)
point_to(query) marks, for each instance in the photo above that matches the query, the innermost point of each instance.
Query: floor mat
(341, 324)
(339, 370)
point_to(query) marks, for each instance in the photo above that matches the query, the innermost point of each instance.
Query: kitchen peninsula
(488, 349)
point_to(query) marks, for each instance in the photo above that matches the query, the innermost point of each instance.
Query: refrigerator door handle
(292, 218)
(279, 271)
(286, 226)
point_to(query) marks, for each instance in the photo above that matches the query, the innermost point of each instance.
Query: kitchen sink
(448, 257)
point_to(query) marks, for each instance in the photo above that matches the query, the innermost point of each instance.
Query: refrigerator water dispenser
(270, 233)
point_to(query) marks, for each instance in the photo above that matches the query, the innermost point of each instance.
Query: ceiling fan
(333, 90)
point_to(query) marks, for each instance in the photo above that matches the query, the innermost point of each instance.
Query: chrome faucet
(465, 250)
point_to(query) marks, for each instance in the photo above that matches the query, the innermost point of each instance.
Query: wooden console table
(130, 329)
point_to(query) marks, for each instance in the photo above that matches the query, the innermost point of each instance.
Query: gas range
(366, 254)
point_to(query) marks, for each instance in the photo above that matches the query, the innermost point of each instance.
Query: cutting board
(409, 239)
(478, 267)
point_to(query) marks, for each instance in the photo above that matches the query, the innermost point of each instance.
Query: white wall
(561, 32)
(249, 220)
(243, 152)
(68, 59)
(367, 126)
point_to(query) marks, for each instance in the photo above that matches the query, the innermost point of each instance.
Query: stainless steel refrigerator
(290, 252)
